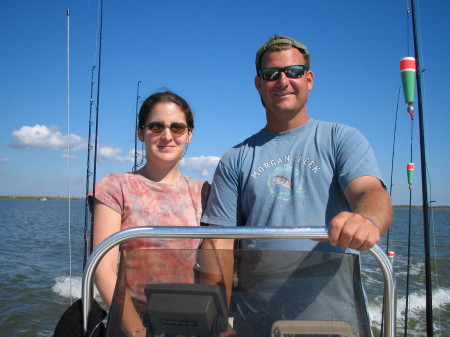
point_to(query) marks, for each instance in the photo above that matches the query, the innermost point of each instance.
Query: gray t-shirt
(292, 178)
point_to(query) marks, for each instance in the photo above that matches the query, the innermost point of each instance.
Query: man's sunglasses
(176, 128)
(273, 74)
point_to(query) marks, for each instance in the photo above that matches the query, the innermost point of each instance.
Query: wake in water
(70, 288)
(67, 288)
(416, 314)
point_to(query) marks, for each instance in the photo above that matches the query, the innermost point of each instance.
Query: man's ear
(258, 87)
(258, 83)
(310, 79)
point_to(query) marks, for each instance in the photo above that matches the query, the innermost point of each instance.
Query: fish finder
(186, 309)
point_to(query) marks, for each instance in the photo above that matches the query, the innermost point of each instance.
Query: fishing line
(433, 235)
(388, 237)
(96, 36)
(68, 153)
(392, 163)
(435, 254)
(408, 264)
(430, 215)
(408, 13)
(432, 222)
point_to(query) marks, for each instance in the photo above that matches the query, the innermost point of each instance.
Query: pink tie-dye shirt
(142, 202)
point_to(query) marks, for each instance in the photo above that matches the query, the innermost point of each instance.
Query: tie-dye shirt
(142, 202)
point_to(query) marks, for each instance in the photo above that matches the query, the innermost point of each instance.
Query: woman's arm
(107, 222)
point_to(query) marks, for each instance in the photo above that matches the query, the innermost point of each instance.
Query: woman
(156, 195)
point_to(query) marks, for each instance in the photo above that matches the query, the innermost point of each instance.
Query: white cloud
(110, 154)
(113, 154)
(205, 173)
(140, 160)
(140, 155)
(41, 137)
(203, 165)
(199, 163)
(5, 160)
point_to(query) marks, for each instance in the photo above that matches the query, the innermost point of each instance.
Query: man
(298, 171)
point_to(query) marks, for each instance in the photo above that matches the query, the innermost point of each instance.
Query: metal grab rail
(219, 232)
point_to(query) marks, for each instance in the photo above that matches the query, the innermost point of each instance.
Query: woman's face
(165, 147)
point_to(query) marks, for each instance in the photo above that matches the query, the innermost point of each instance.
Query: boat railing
(219, 232)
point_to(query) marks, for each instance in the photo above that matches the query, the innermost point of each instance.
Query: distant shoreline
(38, 197)
(80, 198)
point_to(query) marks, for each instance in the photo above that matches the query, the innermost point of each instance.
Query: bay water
(40, 275)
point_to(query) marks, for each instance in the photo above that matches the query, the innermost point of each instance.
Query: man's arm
(371, 216)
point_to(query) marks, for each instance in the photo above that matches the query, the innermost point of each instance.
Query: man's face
(285, 97)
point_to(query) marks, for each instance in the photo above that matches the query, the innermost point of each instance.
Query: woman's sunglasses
(273, 74)
(176, 128)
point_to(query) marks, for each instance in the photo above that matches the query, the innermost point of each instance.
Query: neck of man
(284, 122)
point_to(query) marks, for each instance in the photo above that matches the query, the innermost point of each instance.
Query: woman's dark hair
(165, 97)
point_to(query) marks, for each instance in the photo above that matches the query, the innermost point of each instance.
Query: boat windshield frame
(218, 232)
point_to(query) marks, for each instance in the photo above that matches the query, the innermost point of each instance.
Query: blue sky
(204, 50)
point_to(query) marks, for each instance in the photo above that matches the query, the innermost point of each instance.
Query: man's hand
(352, 230)
(371, 216)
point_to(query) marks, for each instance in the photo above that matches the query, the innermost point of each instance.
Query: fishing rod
(88, 172)
(411, 73)
(136, 165)
(425, 203)
(68, 153)
(97, 109)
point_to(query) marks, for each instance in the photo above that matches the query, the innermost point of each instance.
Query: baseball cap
(279, 39)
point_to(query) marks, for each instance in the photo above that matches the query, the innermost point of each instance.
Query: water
(440, 273)
(35, 287)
